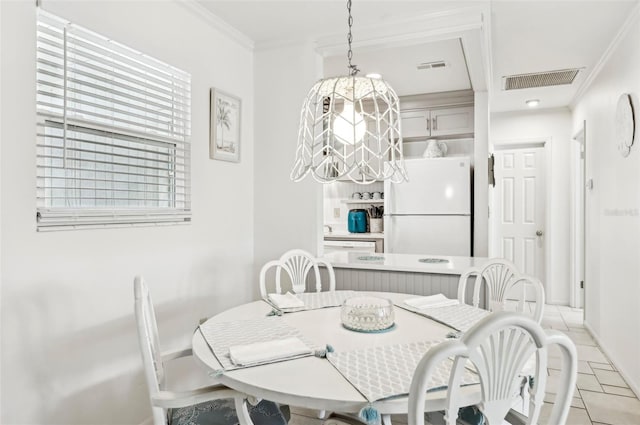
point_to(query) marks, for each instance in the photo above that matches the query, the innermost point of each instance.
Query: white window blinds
(113, 132)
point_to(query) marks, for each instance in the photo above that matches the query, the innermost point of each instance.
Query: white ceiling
(399, 67)
(524, 36)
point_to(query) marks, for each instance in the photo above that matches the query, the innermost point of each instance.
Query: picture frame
(225, 118)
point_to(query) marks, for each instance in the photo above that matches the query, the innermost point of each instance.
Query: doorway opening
(517, 206)
(578, 241)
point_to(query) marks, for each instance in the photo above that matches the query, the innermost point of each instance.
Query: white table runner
(460, 317)
(316, 300)
(382, 372)
(221, 336)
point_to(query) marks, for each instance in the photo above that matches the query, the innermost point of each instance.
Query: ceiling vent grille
(432, 65)
(540, 79)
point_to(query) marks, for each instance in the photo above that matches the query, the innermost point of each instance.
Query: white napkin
(265, 352)
(431, 301)
(287, 300)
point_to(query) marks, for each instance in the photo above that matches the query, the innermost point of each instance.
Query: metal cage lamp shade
(350, 129)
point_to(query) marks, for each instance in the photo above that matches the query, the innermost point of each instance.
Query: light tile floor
(601, 396)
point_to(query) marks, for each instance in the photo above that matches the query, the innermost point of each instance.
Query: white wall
(0, 212)
(287, 215)
(553, 125)
(612, 284)
(69, 350)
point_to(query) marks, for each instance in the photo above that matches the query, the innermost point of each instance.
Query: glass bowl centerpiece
(367, 314)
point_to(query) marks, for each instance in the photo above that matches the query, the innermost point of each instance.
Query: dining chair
(506, 287)
(520, 285)
(497, 348)
(215, 404)
(497, 275)
(470, 273)
(297, 264)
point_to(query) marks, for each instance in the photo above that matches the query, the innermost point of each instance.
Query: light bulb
(349, 127)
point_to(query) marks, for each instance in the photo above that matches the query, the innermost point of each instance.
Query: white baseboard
(633, 385)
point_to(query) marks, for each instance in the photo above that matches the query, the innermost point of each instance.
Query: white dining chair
(215, 404)
(506, 288)
(516, 297)
(498, 348)
(470, 273)
(297, 264)
(497, 275)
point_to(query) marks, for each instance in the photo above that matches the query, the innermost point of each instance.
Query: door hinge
(582, 284)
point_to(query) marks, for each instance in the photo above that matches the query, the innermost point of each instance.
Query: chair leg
(386, 419)
(242, 411)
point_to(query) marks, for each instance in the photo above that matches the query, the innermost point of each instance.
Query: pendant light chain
(353, 69)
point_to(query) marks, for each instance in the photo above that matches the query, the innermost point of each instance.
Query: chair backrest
(462, 283)
(297, 264)
(497, 274)
(503, 280)
(498, 347)
(520, 284)
(149, 345)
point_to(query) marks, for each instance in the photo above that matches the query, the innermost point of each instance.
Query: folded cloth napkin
(287, 300)
(431, 301)
(268, 351)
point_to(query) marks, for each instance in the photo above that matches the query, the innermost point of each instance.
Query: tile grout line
(622, 373)
(596, 376)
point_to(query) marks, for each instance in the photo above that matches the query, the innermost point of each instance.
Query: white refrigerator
(431, 213)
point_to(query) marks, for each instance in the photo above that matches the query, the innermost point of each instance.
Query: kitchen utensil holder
(375, 225)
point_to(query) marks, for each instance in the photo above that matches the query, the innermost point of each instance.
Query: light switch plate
(336, 213)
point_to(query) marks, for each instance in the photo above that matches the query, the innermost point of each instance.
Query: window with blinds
(113, 129)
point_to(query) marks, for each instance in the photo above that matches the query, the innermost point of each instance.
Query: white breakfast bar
(405, 273)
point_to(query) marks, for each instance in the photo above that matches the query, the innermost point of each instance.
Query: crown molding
(218, 23)
(606, 56)
(420, 29)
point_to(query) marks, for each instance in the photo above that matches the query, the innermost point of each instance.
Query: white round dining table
(314, 383)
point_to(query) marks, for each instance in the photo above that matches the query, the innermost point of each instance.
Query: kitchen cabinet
(356, 242)
(421, 123)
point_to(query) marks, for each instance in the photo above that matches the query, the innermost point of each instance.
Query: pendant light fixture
(350, 129)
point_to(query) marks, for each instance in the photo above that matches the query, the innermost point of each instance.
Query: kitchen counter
(342, 235)
(403, 262)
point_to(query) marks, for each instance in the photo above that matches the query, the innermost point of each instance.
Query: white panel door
(519, 205)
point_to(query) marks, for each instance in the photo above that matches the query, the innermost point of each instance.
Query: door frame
(524, 143)
(578, 245)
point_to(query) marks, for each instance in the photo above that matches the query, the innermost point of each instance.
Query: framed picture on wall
(224, 135)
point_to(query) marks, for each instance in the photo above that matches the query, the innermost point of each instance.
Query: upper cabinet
(434, 122)
(442, 115)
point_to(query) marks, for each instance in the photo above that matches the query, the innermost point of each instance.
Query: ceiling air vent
(431, 65)
(540, 79)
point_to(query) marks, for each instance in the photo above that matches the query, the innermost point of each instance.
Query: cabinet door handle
(435, 123)
(428, 124)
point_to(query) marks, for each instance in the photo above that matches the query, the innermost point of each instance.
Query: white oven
(349, 245)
